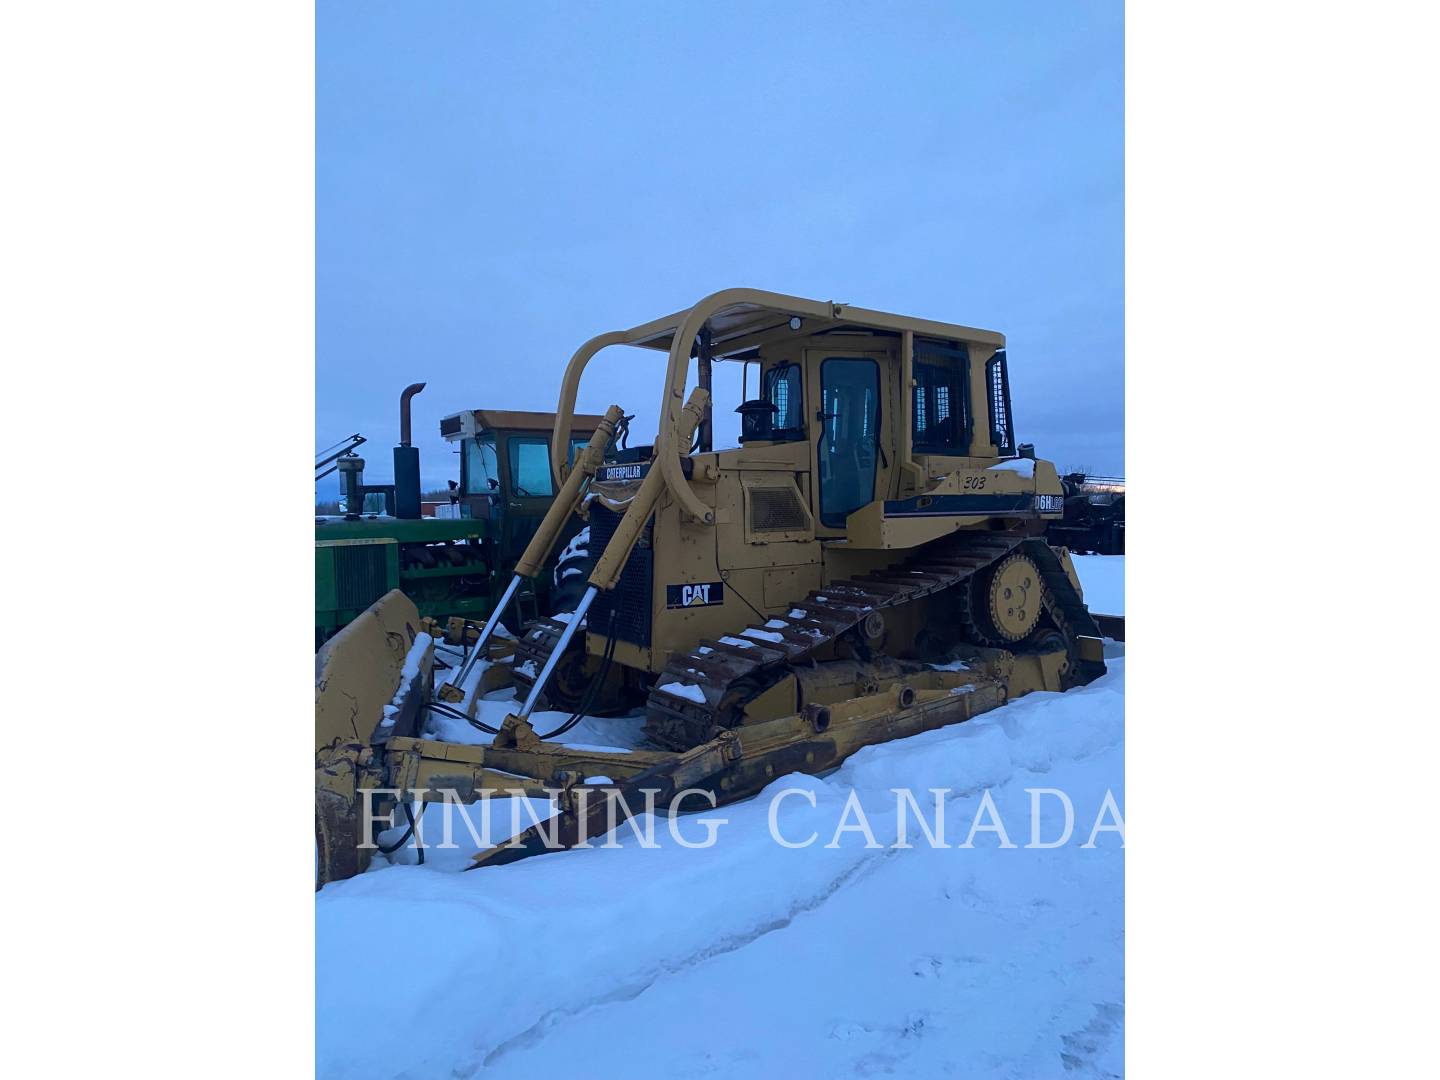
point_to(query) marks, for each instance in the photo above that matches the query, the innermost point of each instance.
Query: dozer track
(537, 640)
(534, 646)
(730, 671)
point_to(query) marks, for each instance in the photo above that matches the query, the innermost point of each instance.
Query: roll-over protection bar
(683, 327)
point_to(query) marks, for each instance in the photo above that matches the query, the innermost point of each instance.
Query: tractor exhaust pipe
(407, 461)
(405, 396)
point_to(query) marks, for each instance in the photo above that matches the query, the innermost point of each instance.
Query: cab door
(529, 490)
(851, 466)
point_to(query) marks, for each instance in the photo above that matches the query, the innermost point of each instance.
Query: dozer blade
(1112, 626)
(589, 813)
(370, 682)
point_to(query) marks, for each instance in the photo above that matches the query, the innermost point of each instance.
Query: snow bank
(1103, 579)
(914, 961)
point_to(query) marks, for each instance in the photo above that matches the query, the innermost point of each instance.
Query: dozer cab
(867, 564)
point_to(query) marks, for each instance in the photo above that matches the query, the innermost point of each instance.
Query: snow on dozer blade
(370, 679)
(373, 681)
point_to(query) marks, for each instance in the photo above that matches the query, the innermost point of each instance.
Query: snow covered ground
(1103, 579)
(750, 959)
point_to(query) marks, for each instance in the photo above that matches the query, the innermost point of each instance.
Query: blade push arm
(617, 552)
(538, 550)
(589, 459)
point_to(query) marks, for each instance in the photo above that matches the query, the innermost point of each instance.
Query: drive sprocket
(1003, 603)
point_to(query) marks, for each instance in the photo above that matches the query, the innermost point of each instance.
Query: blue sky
(495, 183)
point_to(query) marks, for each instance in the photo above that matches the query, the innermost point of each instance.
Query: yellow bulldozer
(868, 563)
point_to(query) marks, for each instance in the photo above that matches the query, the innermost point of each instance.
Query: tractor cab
(505, 475)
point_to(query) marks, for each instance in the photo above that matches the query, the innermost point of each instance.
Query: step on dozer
(867, 564)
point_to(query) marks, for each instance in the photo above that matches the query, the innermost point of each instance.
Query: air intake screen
(777, 509)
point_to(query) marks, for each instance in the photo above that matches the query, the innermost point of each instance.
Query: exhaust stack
(407, 461)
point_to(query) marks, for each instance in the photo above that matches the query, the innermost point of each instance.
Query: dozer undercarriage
(868, 564)
(888, 622)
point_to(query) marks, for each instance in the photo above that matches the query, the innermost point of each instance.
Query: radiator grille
(359, 574)
(630, 599)
(777, 509)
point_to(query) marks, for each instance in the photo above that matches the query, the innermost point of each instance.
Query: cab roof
(739, 319)
(520, 420)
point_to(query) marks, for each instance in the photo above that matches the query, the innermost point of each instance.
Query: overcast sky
(497, 182)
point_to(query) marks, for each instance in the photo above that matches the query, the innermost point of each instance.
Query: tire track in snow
(870, 862)
(857, 871)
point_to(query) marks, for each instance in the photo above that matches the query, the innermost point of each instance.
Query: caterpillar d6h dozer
(867, 564)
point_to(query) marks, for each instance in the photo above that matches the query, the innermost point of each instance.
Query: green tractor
(453, 565)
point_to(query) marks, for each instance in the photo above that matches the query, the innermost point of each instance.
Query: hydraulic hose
(409, 832)
(448, 710)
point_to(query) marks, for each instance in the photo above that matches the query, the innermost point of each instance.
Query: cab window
(941, 423)
(850, 413)
(782, 389)
(530, 467)
(482, 466)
